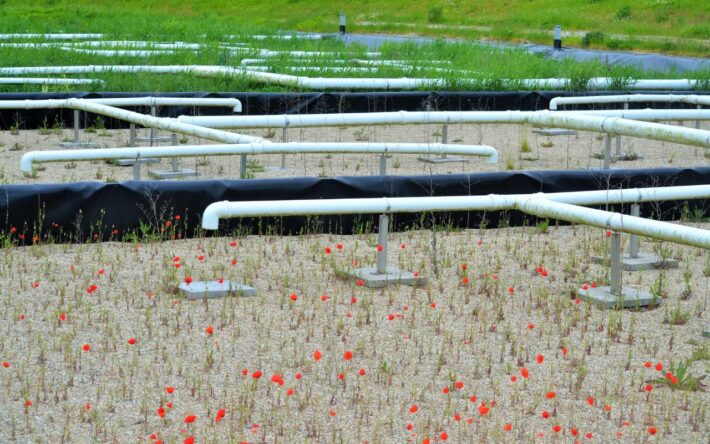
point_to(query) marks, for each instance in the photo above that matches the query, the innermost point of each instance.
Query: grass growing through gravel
(96, 346)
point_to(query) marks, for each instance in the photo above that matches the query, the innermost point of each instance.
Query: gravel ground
(586, 366)
(560, 152)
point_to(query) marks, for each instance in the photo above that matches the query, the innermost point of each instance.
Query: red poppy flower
(508, 427)
(132, 341)
(483, 410)
(413, 408)
(545, 414)
(524, 373)
(531, 326)
(539, 359)
(332, 413)
(161, 412)
(444, 436)
(659, 367)
(550, 395)
(189, 440)
(189, 419)
(28, 403)
(556, 428)
(649, 387)
(360, 282)
(348, 355)
(289, 392)
(317, 355)
(5, 364)
(257, 374)
(339, 246)
(652, 430)
(209, 330)
(459, 385)
(86, 347)
(327, 250)
(294, 297)
(188, 280)
(298, 376)
(233, 244)
(169, 389)
(379, 247)
(361, 372)
(590, 401)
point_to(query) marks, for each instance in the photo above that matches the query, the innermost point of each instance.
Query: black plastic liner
(312, 103)
(76, 212)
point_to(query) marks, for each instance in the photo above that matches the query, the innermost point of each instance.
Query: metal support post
(76, 126)
(382, 241)
(243, 166)
(615, 265)
(383, 164)
(284, 139)
(132, 135)
(634, 241)
(137, 168)
(607, 152)
(153, 112)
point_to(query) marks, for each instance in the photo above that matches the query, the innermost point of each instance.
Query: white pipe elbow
(212, 214)
(26, 162)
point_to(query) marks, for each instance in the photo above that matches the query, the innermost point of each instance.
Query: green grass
(168, 21)
(648, 24)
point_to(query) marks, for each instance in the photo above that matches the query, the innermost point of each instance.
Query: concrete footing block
(394, 276)
(446, 159)
(155, 139)
(78, 145)
(629, 298)
(131, 162)
(554, 131)
(644, 261)
(215, 289)
(173, 174)
(623, 157)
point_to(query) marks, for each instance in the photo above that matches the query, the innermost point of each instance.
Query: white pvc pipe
(630, 98)
(156, 122)
(138, 44)
(51, 36)
(130, 116)
(119, 52)
(47, 81)
(235, 104)
(559, 119)
(297, 54)
(28, 159)
(422, 117)
(545, 205)
(336, 83)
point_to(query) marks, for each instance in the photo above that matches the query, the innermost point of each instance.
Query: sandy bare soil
(484, 353)
(559, 152)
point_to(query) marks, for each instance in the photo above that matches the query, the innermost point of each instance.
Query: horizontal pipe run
(424, 117)
(160, 122)
(340, 83)
(603, 123)
(50, 36)
(235, 104)
(630, 98)
(28, 159)
(47, 81)
(659, 230)
(119, 52)
(545, 205)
